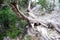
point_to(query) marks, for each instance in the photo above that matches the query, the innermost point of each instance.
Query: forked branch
(21, 15)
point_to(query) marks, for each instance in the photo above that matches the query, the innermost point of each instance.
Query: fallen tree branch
(20, 14)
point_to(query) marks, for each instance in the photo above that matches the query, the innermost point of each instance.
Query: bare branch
(29, 6)
(21, 15)
(15, 8)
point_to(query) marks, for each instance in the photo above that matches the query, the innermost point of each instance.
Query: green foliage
(47, 5)
(8, 16)
(13, 32)
(43, 3)
(23, 4)
(1, 36)
(28, 37)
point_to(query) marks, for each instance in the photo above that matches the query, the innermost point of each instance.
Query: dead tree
(34, 22)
